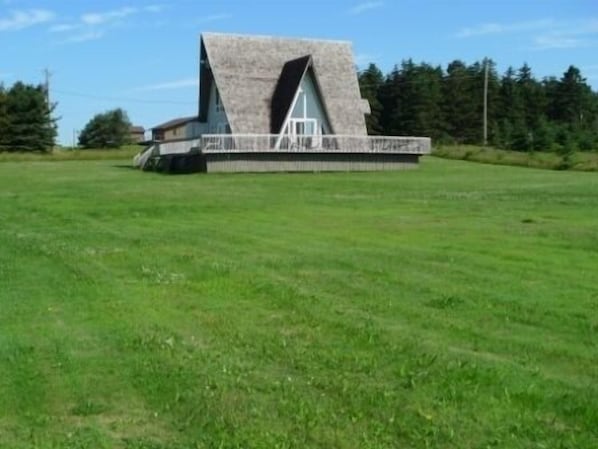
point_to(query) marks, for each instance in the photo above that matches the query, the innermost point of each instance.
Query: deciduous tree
(110, 129)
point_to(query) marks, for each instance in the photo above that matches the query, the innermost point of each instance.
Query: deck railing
(244, 143)
(260, 143)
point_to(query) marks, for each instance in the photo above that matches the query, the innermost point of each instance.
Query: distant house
(176, 129)
(279, 104)
(137, 134)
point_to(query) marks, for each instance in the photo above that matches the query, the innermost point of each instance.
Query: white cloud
(63, 27)
(548, 42)
(170, 85)
(155, 8)
(94, 25)
(83, 37)
(542, 34)
(364, 7)
(505, 28)
(568, 35)
(18, 20)
(588, 26)
(99, 18)
(362, 59)
(213, 18)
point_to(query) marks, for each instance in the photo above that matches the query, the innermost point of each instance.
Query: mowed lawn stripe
(451, 306)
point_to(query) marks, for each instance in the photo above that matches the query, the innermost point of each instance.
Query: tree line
(26, 122)
(524, 113)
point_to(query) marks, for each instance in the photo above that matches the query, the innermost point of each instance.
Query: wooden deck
(274, 153)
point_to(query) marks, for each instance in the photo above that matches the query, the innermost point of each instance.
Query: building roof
(137, 129)
(175, 122)
(256, 74)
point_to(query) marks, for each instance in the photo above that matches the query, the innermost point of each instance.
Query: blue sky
(143, 55)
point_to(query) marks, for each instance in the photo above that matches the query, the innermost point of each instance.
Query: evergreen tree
(403, 116)
(110, 129)
(550, 87)
(417, 108)
(30, 126)
(532, 97)
(370, 84)
(429, 116)
(573, 99)
(523, 113)
(510, 100)
(3, 120)
(511, 113)
(389, 99)
(543, 135)
(462, 103)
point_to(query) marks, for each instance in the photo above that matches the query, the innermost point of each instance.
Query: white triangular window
(308, 117)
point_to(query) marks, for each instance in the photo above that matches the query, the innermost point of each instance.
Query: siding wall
(178, 132)
(137, 137)
(189, 130)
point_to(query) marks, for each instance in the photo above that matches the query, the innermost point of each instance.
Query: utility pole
(486, 101)
(47, 76)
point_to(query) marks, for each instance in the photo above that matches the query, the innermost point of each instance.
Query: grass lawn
(454, 306)
(581, 160)
(65, 154)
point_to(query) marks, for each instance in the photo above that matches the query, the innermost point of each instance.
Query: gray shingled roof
(247, 70)
(175, 122)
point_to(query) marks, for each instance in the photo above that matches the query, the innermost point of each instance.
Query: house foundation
(253, 162)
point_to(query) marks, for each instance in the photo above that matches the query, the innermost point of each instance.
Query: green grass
(580, 161)
(58, 155)
(454, 306)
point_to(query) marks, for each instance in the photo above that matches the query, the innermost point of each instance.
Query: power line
(121, 99)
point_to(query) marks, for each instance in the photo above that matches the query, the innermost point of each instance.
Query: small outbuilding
(178, 128)
(137, 134)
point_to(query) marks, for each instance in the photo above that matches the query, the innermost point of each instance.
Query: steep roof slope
(247, 70)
